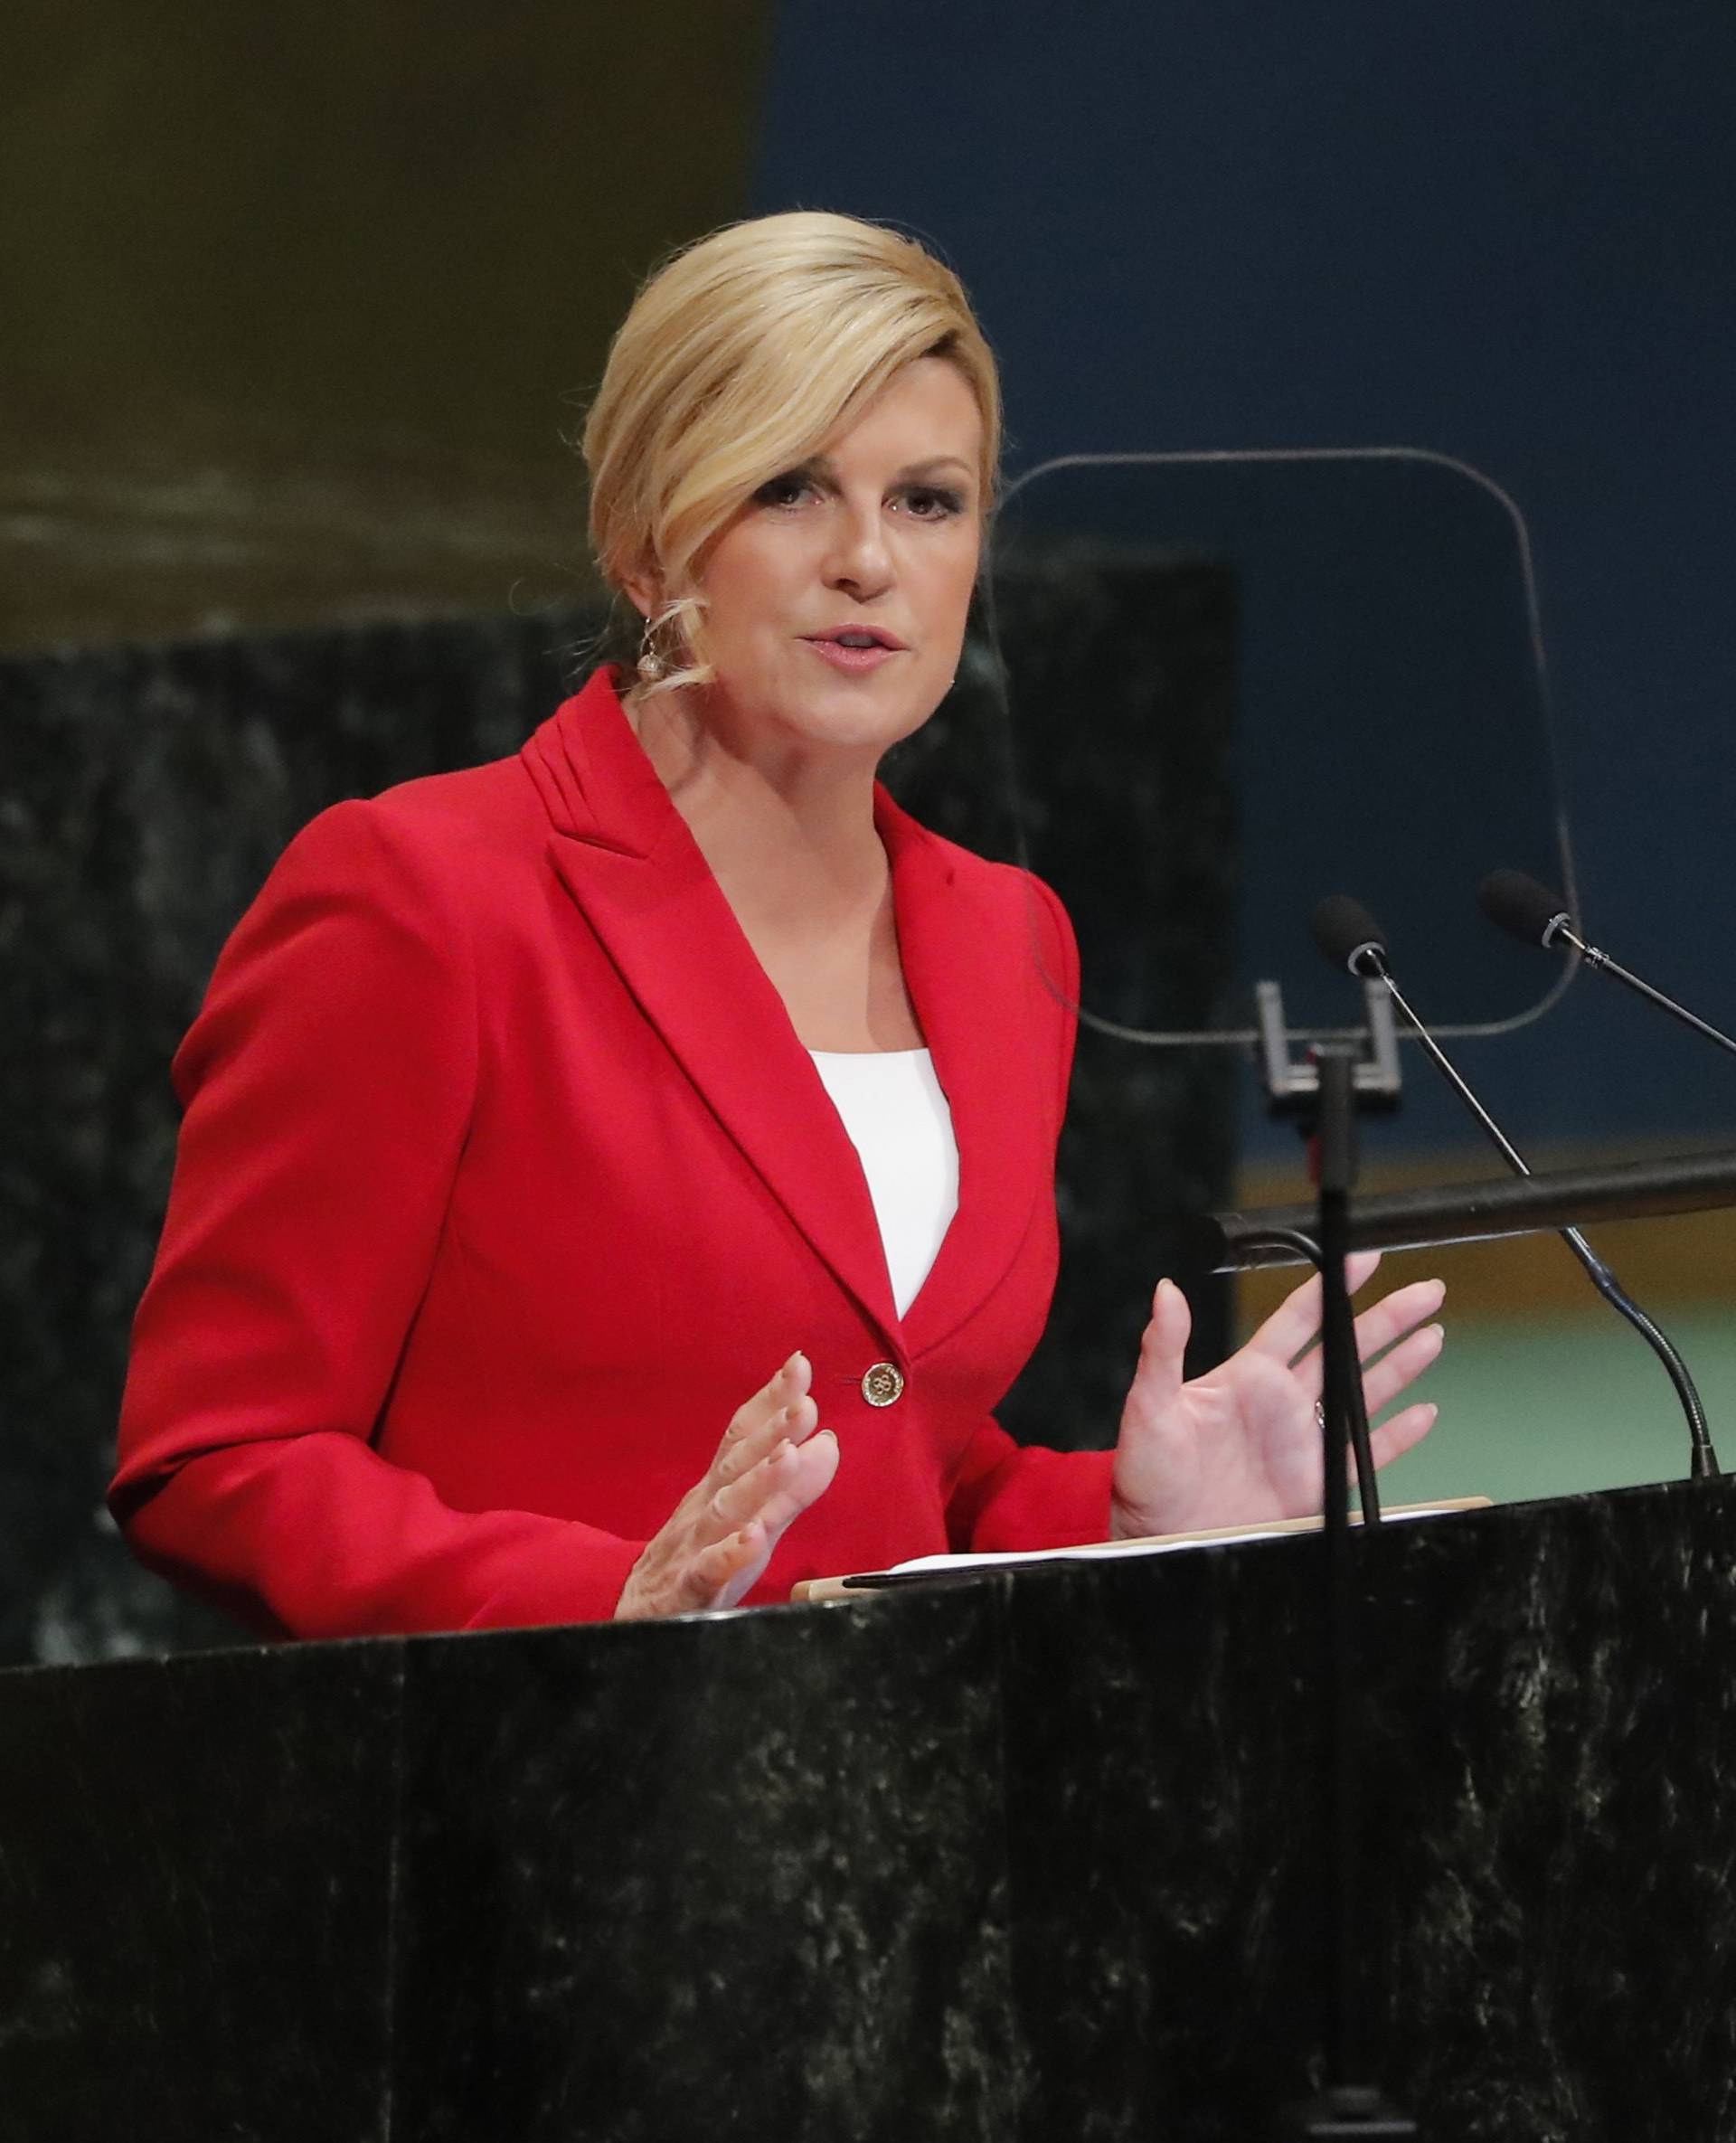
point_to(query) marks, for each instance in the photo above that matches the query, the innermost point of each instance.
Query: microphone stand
(1327, 1095)
(1349, 2106)
(1561, 931)
(1702, 1461)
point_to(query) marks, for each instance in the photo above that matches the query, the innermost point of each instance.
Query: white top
(899, 1122)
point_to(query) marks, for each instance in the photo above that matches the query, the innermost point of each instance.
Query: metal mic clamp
(1292, 1088)
(1367, 1066)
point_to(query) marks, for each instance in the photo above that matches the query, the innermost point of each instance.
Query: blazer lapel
(973, 965)
(625, 855)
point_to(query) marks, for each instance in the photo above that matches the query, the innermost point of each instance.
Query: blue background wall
(1504, 231)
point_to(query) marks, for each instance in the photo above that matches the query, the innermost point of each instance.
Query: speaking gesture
(1244, 1443)
(771, 1466)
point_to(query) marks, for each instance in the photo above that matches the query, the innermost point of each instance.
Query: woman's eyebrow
(822, 465)
(938, 461)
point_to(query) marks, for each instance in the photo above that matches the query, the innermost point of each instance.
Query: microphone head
(1520, 905)
(1349, 935)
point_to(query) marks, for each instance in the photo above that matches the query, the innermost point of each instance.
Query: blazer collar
(627, 857)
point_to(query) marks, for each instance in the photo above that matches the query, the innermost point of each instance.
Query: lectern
(1028, 1858)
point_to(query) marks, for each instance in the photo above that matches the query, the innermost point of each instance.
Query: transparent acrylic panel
(1385, 734)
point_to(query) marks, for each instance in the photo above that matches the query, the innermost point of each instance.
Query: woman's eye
(934, 502)
(788, 490)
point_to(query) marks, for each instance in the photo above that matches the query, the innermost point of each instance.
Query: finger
(1396, 1314)
(797, 1482)
(1157, 1378)
(778, 1489)
(1397, 1371)
(753, 1419)
(662, 1583)
(1392, 1315)
(793, 1423)
(1401, 1433)
(726, 1566)
(716, 1572)
(1296, 1320)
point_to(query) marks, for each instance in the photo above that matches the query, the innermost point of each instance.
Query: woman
(535, 1111)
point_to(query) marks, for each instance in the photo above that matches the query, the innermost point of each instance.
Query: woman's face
(835, 598)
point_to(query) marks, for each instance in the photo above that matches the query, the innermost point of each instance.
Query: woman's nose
(860, 559)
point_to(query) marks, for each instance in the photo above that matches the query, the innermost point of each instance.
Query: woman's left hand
(1244, 1443)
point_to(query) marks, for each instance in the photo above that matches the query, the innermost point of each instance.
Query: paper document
(1166, 1543)
(864, 1585)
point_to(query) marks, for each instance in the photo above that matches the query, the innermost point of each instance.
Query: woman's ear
(643, 591)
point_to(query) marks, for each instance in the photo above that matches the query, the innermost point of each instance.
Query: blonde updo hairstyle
(740, 358)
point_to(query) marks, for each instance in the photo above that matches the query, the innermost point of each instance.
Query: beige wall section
(299, 301)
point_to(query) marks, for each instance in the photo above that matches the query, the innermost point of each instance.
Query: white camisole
(891, 1105)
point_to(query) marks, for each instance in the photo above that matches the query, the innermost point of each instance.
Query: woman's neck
(789, 831)
(790, 838)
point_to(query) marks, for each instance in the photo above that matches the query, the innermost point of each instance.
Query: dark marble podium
(1031, 1857)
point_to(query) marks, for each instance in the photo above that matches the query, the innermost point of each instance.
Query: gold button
(882, 1383)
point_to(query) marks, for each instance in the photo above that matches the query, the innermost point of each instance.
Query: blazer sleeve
(1008, 1495)
(326, 1085)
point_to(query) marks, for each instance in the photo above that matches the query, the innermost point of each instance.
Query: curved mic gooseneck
(1348, 934)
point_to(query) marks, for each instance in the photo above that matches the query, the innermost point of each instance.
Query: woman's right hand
(769, 1468)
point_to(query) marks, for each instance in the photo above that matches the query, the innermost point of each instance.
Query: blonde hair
(737, 360)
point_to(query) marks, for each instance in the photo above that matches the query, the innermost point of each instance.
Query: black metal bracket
(1293, 1089)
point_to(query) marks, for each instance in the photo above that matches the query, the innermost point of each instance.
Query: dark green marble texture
(1035, 1857)
(194, 1939)
(145, 792)
(801, 1928)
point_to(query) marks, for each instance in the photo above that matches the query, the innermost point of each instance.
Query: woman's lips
(852, 658)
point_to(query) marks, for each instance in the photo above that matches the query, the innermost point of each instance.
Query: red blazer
(504, 1180)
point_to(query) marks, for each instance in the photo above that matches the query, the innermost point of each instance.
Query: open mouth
(862, 636)
(855, 647)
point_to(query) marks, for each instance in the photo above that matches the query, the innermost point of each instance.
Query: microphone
(1531, 911)
(1520, 905)
(1349, 936)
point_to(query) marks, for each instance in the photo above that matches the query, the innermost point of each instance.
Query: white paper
(1091, 1551)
